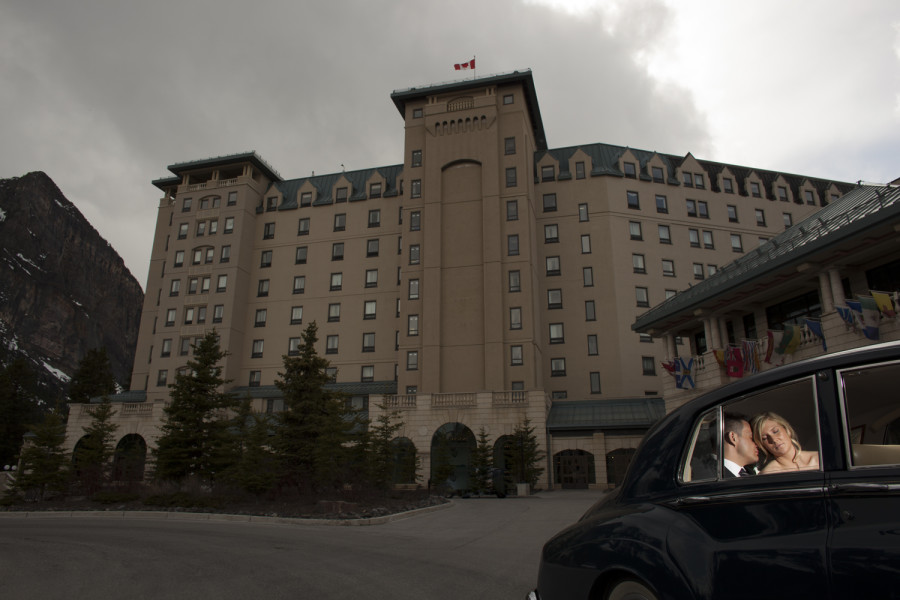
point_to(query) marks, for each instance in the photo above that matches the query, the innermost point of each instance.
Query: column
(837, 288)
(670, 346)
(825, 293)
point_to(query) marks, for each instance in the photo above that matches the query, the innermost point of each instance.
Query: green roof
(626, 413)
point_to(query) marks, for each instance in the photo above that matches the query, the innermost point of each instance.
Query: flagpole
(474, 69)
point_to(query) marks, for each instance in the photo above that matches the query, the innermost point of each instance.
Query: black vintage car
(821, 521)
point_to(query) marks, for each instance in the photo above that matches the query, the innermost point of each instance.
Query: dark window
(511, 180)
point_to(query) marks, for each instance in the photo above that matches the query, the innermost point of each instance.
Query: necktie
(743, 473)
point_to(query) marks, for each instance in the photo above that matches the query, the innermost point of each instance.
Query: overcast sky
(103, 95)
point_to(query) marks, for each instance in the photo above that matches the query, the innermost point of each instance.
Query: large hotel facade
(485, 280)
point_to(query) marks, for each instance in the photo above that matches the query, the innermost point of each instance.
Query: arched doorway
(405, 460)
(129, 459)
(617, 463)
(503, 479)
(574, 469)
(451, 451)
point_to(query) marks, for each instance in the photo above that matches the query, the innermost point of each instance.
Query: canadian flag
(465, 66)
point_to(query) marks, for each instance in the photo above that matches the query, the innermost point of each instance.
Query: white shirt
(732, 466)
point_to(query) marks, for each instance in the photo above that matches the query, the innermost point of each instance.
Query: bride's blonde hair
(757, 424)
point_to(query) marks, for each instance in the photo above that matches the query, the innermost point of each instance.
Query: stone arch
(617, 462)
(130, 458)
(502, 480)
(574, 469)
(451, 452)
(405, 460)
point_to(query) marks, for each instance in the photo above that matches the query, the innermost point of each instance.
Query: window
(413, 289)
(179, 258)
(331, 344)
(331, 373)
(296, 315)
(293, 346)
(698, 270)
(708, 240)
(218, 313)
(579, 170)
(727, 185)
(630, 171)
(554, 299)
(703, 209)
(595, 382)
(872, 425)
(175, 287)
(732, 213)
(306, 199)
(213, 227)
(268, 231)
(367, 373)
(185, 346)
(340, 222)
(551, 234)
(197, 257)
(760, 217)
(587, 275)
(557, 367)
(189, 315)
(809, 197)
(222, 283)
(687, 179)
(414, 257)
(374, 191)
(340, 194)
(662, 204)
(549, 202)
(229, 225)
(412, 325)
(334, 312)
(193, 284)
(711, 270)
(557, 334)
(232, 198)
(517, 385)
(552, 263)
(186, 204)
(369, 308)
(337, 280)
(512, 210)
(415, 220)
(265, 259)
(262, 288)
(694, 237)
(583, 213)
(665, 234)
(260, 320)
(512, 245)
(754, 189)
(648, 365)
(515, 318)
(257, 350)
(368, 343)
(303, 226)
(698, 181)
(371, 278)
(691, 208)
(511, 177)
(592, 347)
(300, 255)
(646, 338)
(162, 377)
(415, 188)
(515, 282)
(548, 173)
(371, 248)
(634, 230)
(633, 200)
(255, 378)
(736, 245)
(586, 244)
(166, 348)
(417, 113)
(641, 296)
(637, 263)
(375, 217)
(412, 360)
(669, 294)
(788, 220)
(416, 158)
(668, 267)
(782, 193)
(590, 311)
(201, 228)
(299, 284)
(509, 145)
(210, 255)
(508, 98)
(515, 356)
(182, 231)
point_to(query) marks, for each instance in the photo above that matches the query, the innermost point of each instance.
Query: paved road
(478, 548)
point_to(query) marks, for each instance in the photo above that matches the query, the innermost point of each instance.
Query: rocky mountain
(63, 289)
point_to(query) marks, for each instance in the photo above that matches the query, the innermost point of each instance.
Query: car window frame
(844, 416)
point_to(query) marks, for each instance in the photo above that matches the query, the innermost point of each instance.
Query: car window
(871, 414)
(767, 432)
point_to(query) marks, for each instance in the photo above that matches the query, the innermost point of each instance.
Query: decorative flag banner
(734, 362)
(870, 317)
(720, 357)
(787, 339)
(750, 350)
(846, 314)
(465, 66)
(883, 301)
(816, 328)
(775, 338)
(670, 366)
(684, 378)
(796, 339)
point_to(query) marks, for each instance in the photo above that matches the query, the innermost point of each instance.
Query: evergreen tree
(524, 454)
(197, 437)
(44, 465)
(93, 378)
(381, 448)
(441, 469)
(94, 452)
(314, 429)
(481, 466)
(255, 470)
(17, 408)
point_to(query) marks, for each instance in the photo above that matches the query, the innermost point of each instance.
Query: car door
(751, 536)
(864, 495)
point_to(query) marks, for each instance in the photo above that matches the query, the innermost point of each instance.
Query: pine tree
(43, 463)
(197, 437)
(256, 468)
(315, 427)
(481, 466)
(381, 449)
(441, 469)
(93, 378)
(524, 454)
(94, 452)
(17, 408)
